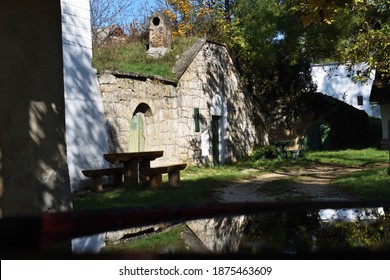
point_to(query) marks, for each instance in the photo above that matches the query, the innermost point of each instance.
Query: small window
(156, 21)
(360, 100)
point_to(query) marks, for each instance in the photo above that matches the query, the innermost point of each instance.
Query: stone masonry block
(107, 79)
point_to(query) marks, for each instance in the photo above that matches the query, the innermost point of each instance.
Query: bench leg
(155, 181)
(96, 183)
(174, 178)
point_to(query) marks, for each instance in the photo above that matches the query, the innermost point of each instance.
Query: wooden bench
(97, 174)
(297, 147)
(155, 174)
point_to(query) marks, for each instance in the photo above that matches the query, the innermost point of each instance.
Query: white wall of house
(333, 80)
(86, 132)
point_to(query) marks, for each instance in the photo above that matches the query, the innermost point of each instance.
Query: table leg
(144, 164)
(284, 151)
(131, 174)
(278, 152)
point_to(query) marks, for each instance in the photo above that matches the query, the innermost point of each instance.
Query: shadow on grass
(371, 184)
(199, 184)
(190, 192)
(350, 158)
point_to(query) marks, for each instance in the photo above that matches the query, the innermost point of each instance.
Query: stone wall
(124, 95)
(209, 83)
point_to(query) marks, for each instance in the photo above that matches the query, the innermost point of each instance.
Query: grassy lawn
(371, 184)
(350, 158)
(199, 183)
(197, 186)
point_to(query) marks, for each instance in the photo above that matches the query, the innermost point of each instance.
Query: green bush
(263, 152)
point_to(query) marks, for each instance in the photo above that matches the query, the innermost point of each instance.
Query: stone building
(159, 36)
(202, 118)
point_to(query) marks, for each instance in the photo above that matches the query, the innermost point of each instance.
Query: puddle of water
(324, 231)
(351, 214)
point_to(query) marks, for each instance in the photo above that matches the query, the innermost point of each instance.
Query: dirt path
(304, 184)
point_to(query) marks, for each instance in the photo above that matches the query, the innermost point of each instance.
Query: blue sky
(134, 11)
(140, 3)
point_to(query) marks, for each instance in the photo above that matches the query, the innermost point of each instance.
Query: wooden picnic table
(281, 148)
(132, 161)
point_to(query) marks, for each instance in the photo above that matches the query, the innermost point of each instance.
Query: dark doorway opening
(215, 127)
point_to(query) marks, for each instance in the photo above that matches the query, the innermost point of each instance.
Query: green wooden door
(215, 127)
(319, 137)
(137, 134)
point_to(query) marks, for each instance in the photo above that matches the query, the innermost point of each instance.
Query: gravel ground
(309, 184)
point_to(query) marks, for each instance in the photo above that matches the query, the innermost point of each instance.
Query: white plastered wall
(334, 80)
(86, 132)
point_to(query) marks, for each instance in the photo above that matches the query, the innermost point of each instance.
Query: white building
(334, 80)
(381, 95)
(86, 133)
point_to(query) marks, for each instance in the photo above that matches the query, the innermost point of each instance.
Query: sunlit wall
(334, 80)
(86, 132)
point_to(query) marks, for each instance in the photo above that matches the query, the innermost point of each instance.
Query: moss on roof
(132, 57)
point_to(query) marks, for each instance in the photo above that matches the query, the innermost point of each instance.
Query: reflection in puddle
(351, 214)
(221, 235)
(324, 231)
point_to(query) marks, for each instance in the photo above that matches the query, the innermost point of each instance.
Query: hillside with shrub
(132, 57)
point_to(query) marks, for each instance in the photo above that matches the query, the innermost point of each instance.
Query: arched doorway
(318, 137)
(138, 128)
(137, 136)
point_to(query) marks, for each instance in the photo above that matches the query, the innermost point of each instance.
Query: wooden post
(131, 174)
(97, 183)
(174, 178)
(155, 181)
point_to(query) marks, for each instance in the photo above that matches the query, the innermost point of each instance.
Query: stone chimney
(159, 36)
